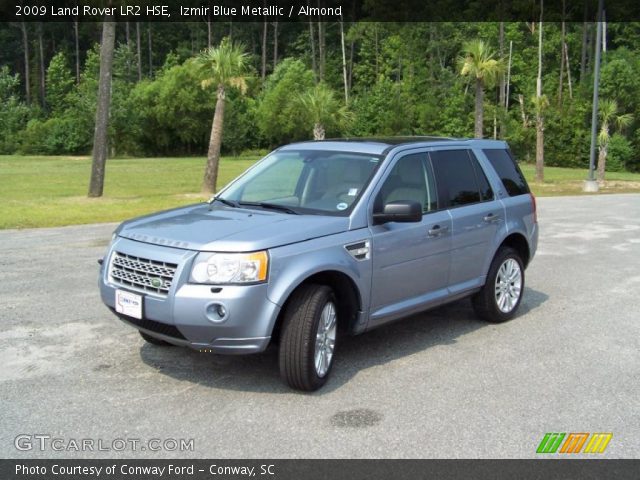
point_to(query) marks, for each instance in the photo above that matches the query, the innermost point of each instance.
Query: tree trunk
(479, 108)
(215, 141)
(539, 147)
(139, 50)
(209, 42)
(312, 39)
(539, 116)
(318, 131)
(377, 49)
(506, 95)
(27, 74)
(583, 52)
(275, 44)
(562, 40)
(351, 49)
(43, 73)
(128, 39)
(502, 85)
(321, 49)
(566, 61)
(100, 138)
(523, 114)
(150, 49)
(344, 63)
(77, 45)
(263, 71)
(602, 162)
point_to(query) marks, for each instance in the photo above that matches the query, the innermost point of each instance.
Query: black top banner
(314, 10)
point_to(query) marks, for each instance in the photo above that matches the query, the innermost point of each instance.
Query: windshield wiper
(229, 203)
(271, 206)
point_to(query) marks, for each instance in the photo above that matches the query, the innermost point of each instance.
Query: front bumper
(181, 317)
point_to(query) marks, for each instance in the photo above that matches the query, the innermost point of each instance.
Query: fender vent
(359, 250)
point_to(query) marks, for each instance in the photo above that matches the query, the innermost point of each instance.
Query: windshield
(312, 181)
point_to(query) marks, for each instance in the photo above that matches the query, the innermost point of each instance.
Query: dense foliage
(401, 79)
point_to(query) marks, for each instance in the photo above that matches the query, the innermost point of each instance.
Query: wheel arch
(519, 243)
(345, 289)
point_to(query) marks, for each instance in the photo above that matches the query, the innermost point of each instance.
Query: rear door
(515, 194)
(476, 214)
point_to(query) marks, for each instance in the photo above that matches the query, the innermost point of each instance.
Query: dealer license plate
(129, 304)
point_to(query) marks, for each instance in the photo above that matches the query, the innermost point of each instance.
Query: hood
(228, 229)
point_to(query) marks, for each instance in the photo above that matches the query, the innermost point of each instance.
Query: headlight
(220, 268)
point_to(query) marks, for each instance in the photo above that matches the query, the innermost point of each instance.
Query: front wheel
(500, 297)
(308, 338)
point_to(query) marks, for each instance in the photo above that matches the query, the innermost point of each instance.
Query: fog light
(216, 312)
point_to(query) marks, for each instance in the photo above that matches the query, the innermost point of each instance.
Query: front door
(410, 260)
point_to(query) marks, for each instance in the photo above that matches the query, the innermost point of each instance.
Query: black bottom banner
(317, 469)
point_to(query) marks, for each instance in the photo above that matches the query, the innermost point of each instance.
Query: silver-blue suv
(322, 238)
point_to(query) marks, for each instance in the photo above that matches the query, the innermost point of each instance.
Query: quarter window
(508, 171)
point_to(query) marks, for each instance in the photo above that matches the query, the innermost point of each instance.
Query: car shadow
(259, 372)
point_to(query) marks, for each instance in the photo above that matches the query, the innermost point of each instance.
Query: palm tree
(227, 65)
(479, 63)
(609, 118)
(323, 109)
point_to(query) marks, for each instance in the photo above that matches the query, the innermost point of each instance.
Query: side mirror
(399, 211)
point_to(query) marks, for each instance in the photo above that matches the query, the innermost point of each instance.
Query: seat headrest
(410, 171)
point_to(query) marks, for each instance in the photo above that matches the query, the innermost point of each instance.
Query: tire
(500, 297)
(154, 340)
(306, 347)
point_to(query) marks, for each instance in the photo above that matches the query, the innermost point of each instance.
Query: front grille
(141, 273)
(153, 326)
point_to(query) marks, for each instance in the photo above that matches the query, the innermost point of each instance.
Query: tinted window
(486, 193)
(456, 177)
(508, 171)
(409, 179)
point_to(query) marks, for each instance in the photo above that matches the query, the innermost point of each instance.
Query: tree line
(524, 82)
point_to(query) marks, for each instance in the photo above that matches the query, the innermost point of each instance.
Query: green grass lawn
(51, 191)
(568, 181)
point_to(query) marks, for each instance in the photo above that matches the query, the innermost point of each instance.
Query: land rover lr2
(320, 239)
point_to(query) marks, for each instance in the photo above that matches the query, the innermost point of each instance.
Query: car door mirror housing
(399, 211)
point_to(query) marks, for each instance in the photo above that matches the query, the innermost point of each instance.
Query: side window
(486, 193)
(457, 177)
(508, 171)
(409, 179)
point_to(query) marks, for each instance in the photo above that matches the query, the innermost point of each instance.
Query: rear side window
(508, 171)
(486, 193)
(458, 178)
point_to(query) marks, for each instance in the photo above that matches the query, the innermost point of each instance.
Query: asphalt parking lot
(438, 385)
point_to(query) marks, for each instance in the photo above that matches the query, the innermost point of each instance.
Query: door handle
(491, 218)
(437, 230)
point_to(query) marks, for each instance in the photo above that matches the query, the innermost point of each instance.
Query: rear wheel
(308, 339)
(154, 340)
(500, 297)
